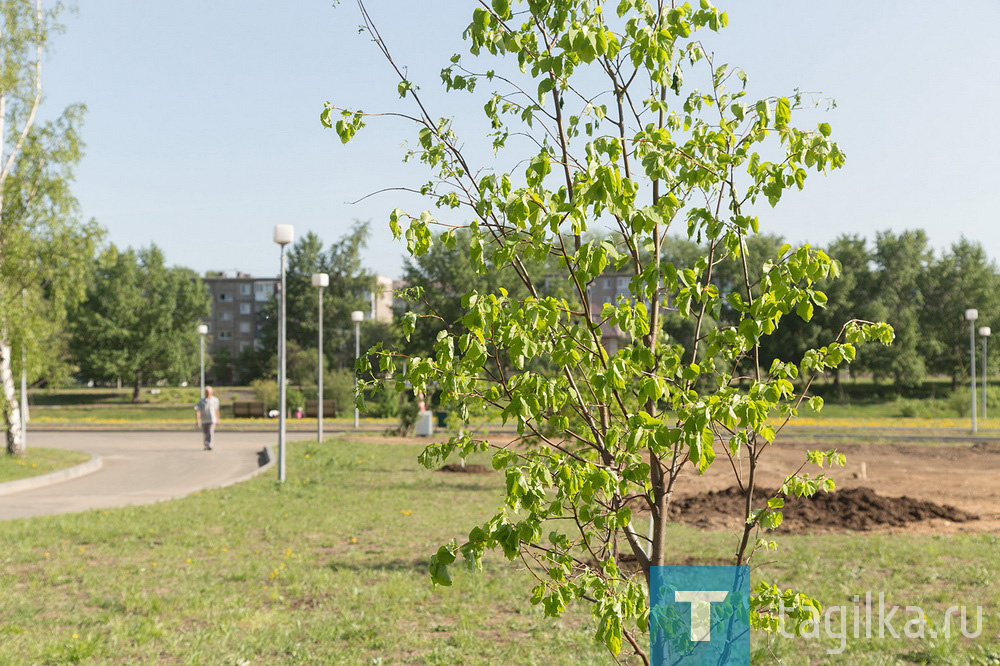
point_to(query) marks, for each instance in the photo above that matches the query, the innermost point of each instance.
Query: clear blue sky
(203, 129)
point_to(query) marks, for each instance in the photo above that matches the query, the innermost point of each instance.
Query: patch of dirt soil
(858, 509)
(468, 469)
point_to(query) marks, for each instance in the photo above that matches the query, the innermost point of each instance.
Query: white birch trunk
(12, 413)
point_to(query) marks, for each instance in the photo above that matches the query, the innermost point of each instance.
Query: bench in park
(329, 408)
(248, 409)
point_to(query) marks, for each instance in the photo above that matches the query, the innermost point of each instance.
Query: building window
(245, 308)
(244, 346)
(224, 296)
(622, 283)
(225, 335)
(244, 327)
(244, 290)
(225, 316)
(262, 291)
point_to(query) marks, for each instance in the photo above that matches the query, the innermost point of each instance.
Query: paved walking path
(139, 468)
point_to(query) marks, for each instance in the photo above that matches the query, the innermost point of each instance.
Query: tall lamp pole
(984, 332)
(283, 235)
(357, 317)
(320, 281)
(202, 331)
(971, 315)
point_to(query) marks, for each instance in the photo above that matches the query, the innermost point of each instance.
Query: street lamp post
(357, 317)
(283, 235)
(320, 281)
(971, 315)
(202, 331)
(984, 332)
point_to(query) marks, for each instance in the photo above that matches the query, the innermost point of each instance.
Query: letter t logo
(701, 610)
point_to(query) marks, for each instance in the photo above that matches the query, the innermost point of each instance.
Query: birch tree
(45, 249)
(22, 42)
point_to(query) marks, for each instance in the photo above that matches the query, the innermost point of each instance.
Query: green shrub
(338, 386)
(266, 391)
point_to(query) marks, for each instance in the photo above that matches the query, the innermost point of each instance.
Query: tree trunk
(137, 386)
(12, 411)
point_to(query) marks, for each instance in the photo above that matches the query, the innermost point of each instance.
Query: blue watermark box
(700, 616)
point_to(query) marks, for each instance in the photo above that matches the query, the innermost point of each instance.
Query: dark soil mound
(468, 469)
(849, 509)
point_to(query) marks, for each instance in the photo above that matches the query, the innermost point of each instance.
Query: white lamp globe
(284, 234)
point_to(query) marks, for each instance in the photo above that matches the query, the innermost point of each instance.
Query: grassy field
(38, 461)
(331, 569)
(933, 404)
(169, 407)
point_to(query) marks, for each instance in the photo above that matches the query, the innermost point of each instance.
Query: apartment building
(237, 301)
(608, 288)
(382, 298)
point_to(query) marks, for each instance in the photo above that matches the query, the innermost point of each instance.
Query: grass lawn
(38, 461)
(331, 568)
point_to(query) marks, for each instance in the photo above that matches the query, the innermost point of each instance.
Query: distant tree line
(896, 278)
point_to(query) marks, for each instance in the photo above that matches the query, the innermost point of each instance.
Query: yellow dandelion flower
(76, 635)
(406, 512)
(46, 554)
(188, 560)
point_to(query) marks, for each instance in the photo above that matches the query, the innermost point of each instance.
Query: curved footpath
(139, 468)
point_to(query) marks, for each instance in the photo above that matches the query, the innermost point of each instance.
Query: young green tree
(617, 137)
(44, 248)
(139, 320)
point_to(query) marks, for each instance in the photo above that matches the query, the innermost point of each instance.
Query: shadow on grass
(388, 565)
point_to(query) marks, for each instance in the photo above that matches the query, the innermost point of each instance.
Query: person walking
(207, 415)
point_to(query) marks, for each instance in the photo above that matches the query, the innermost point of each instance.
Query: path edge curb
(95, 463)
(267, 453)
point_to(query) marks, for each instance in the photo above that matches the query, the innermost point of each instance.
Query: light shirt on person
(208, 408)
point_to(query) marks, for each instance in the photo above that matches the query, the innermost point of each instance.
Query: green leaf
(805, 310)
(782, 113)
